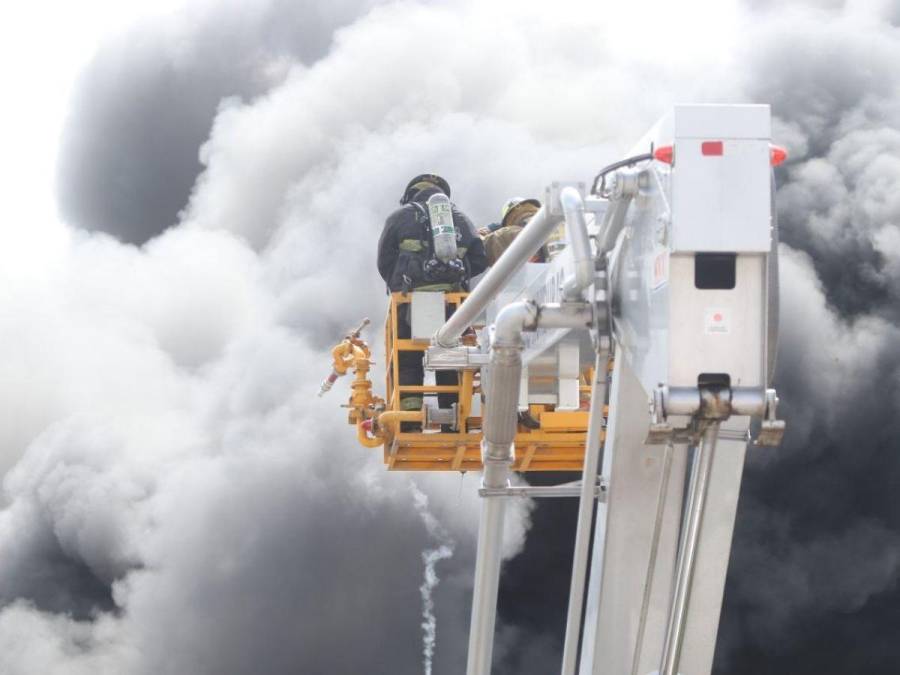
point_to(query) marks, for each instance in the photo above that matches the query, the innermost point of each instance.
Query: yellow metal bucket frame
(558, 445)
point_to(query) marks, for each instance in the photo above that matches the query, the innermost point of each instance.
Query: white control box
(690, 269)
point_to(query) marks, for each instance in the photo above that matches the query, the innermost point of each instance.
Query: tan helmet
(517, 209)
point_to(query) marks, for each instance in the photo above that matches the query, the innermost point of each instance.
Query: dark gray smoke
(145, 104)
(176, 498)
(833, 83)
(816, 557)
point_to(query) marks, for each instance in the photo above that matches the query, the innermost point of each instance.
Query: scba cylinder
(443, 232)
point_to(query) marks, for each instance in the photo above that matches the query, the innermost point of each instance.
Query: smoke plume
(145, 104)
(430, 557)
(816, 556)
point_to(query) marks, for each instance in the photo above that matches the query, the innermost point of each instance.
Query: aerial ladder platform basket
(642, 354)
(552, 438)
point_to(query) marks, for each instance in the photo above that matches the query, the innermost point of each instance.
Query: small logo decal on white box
(660, 269)
(717, 321)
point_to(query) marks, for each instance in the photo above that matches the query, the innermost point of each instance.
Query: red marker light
(712, 148)
(777, 154)
(665, 153)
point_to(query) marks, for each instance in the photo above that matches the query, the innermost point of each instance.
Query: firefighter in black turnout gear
(412, 256)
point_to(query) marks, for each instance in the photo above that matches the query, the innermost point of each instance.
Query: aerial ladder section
(641, 355)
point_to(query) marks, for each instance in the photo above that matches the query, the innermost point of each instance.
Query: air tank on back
(443, 231)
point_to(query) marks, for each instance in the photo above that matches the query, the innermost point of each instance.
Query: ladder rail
(585, 517)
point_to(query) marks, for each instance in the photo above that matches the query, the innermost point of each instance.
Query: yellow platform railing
(557, 445)
(553, 440)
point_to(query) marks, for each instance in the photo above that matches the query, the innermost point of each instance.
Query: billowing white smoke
(179, 501)
(177, 498)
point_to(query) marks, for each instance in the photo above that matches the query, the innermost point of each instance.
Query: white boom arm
(672, 270)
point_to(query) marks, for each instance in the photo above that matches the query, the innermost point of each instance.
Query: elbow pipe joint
(502, 395)
(510, 322)
(362, 435)
(576, 229)
(391, 419)
(495, 280)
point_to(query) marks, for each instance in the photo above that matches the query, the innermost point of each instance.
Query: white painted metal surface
(708, 214)
(665, 326)
(426, 314)
(585, 515)
(623, 540)
(670, 332)
(673, 331)
(717, 331)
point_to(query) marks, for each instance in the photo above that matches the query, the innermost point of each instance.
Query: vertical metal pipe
(612, 225)
(497, 455)
(654, 551)
(687, 549)
(585, 518)
(580, 243)
(487, 579)
(500, 424)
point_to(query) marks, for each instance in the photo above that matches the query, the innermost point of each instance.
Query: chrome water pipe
(579, 244)
(523, 247)
(701, 469)
(497, 452)
(585, 516)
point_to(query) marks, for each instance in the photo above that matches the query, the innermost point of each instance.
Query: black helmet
(421, 182)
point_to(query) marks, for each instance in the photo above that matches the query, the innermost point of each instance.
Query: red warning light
(712, 148)
(717, 316)
(777, 154)
(664, 153)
